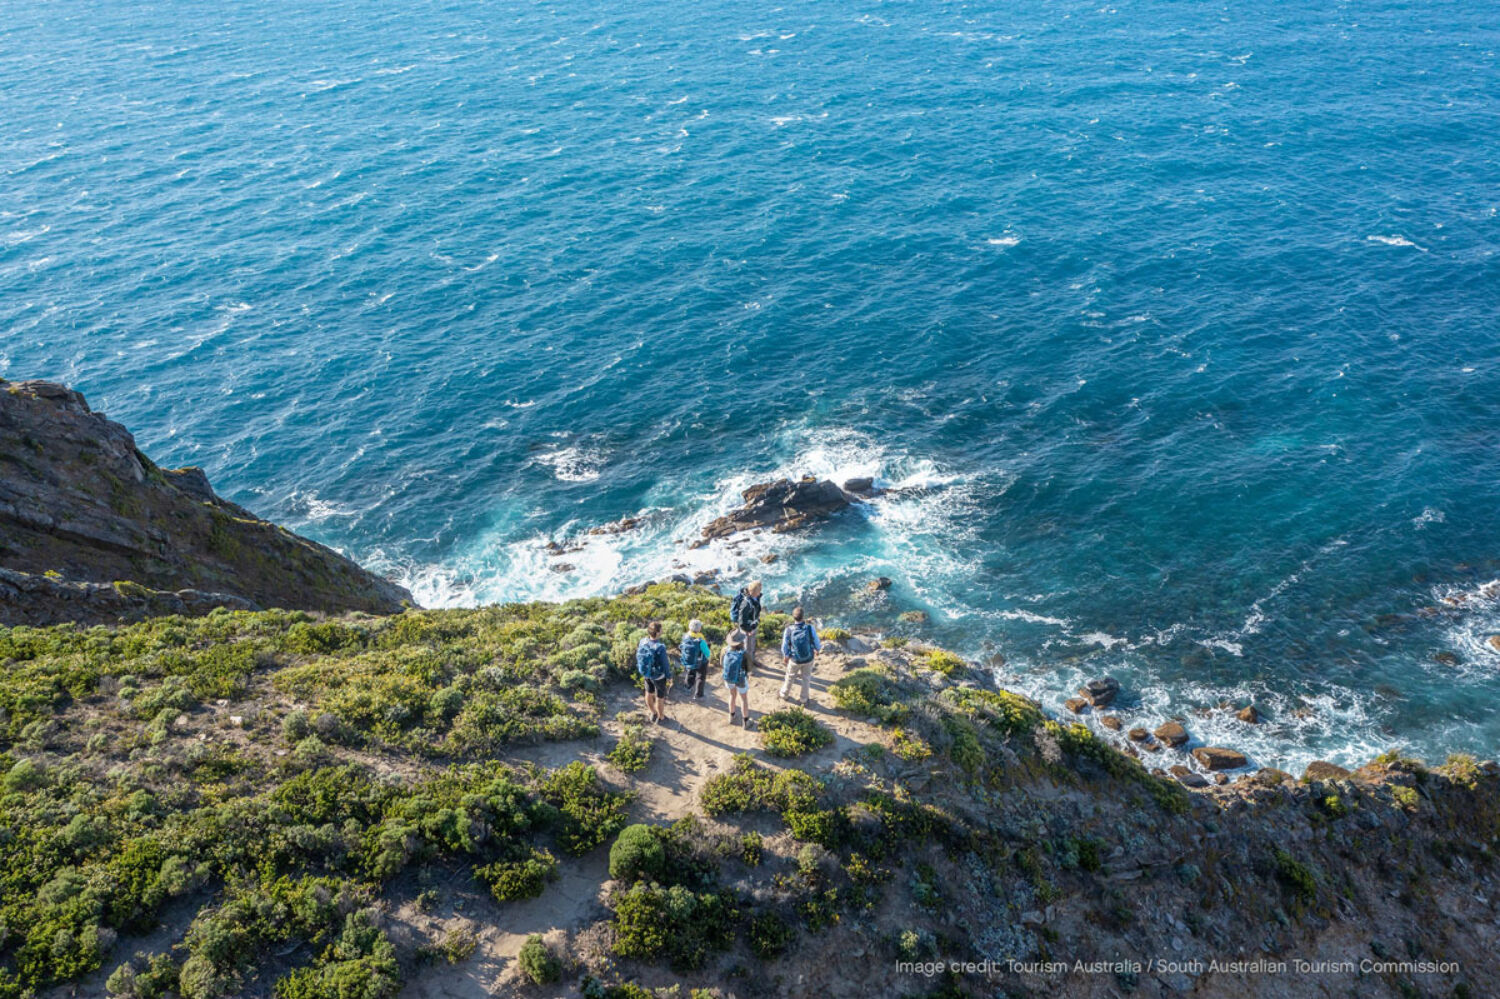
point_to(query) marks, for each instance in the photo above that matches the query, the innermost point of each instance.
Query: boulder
(1077, 705)
(1323, 770)
(1138, 735)
(1111, 722)
(863, 486)
(1187, 777)
(769, 557)
(1248, 714)
(783, 505)
(1219, 758)
(1172, 733)
(876, 585)
(914, 617)
(1101, 691)
(1494, 641)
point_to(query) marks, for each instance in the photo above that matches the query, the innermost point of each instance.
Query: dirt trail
(696, 742)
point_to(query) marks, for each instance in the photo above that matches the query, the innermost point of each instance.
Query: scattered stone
(1032, 918)
(1187, 777)
(769, 557)
(1172, 733)
(1221, 779)
(1101, 691)
(1111, 722)
(1323, 770)
(1445, 658)
(562, 567)
(238, 721)
(1153, 747)
(1248, 714)
(618, 527)
(914, 617)
(1077, 705)
(638, 588)
(1270, 776)
(783, 505)
(1138, 735)
(876, 585)
(1219, 758)
(1494, 641)
(864, 486)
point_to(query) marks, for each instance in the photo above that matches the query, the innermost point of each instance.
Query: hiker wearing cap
(655, 668)
(737, 675)
(745, 612)
(695, 657)
(800, 646)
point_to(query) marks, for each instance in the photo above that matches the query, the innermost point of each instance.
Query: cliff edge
(92, 531)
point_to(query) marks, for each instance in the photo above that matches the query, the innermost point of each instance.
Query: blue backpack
(801, 641)
(645, 658)
(692, 652)
(734, 667)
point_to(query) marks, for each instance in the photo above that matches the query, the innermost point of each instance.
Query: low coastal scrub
(792, 732)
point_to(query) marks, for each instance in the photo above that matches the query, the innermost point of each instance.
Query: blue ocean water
(1179, 323)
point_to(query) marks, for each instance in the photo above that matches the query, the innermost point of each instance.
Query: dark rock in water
(1248, 714)
(79, 500)
(1187, 777)
(1323, 770)
(1113, 723)
(617, 527)
(1219, 758)
(1445, 658)
(864, 486)
(913, 617)
(769, 557)
(782, 506)
(1077, 705)
(1494, 641)
(876, 585)
(1172, 733)
(638, 588)
(562, 567)
(1138, 735)
(1100, 692)
(705, 578)
(683, 578)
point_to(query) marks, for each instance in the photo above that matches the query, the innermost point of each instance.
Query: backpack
(645, 658)
(737, 606)
(801, 636)
(734, 666)
(692, 652)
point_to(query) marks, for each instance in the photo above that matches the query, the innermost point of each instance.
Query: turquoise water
(1185, 318)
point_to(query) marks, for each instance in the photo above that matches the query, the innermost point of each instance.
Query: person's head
(754, 588)
(695, 626)
(736, 639)
(654, 629)
(797, 614)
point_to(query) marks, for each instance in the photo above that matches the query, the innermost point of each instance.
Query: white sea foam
(1395, 241)
(1004, 241)
(573, 463)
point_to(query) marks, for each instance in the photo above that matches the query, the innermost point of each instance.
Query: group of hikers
(800, 646)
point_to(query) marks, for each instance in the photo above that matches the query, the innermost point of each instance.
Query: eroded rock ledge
(91, 530)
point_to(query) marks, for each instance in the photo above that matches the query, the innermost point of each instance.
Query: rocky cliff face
(91, 530)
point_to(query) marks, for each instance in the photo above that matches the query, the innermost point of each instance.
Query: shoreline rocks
(1172, 733)
(1101, 692)
(782, 506)
(1219, 758)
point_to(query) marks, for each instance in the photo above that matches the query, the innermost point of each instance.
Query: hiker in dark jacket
(655, 668)
(695, 657)
(800, 646)
(737, 675)
(746, 614)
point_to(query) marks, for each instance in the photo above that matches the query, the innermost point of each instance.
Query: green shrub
(942, 661)
(637, 853)
(751, 848)
(909, 746)
(538, 962)
(835, 634)
(633, 751)
(590, 814)
(653, 922)
(769, 935)
(867, 692)
(792, 732)
(1296, 876)
(512, 881)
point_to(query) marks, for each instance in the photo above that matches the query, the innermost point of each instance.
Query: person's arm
(817, 642)
(786, 643)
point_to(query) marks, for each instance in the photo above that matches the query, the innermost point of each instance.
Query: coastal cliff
(221, 801)
(91, 530)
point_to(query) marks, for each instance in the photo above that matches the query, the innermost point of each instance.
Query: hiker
(800, 646)
(655, 668)
(695, 657)
(745, 612)
(737, 675)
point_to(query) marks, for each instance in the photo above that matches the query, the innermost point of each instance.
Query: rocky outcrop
(1172, 733)
(1100, 692)
(1323, 770)
(1219, 758)
(781, 506)
(91, 530)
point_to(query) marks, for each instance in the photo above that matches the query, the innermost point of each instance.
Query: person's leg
(806, 669)
(787, 667)
(661, 700)
(750, 648)
(650, 702)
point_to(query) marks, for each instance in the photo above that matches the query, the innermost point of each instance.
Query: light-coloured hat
(695, 625)
(736, 639)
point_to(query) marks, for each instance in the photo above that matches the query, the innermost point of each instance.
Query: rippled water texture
(1179, 319)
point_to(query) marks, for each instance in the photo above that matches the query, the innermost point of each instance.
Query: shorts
(656, 688)
(743, 686)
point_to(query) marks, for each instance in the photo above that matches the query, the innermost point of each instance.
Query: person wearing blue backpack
(800, 646)
(695, 657)
(737, 675)
(655, 668)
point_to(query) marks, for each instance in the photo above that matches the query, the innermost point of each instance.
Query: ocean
(1176, 326)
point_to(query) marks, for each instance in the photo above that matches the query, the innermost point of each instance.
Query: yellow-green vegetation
(632, 752)
(870, 693)
(835, 634)
(792, 732)
(112, 807)
(942, 660)
(538, 963)
(909, 746)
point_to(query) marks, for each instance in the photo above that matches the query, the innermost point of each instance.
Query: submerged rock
(783, 505)
(876, 585)
(1112, 723)
(1077, 705)
(1248, 714)
(1187, 776)
(1100, 692)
